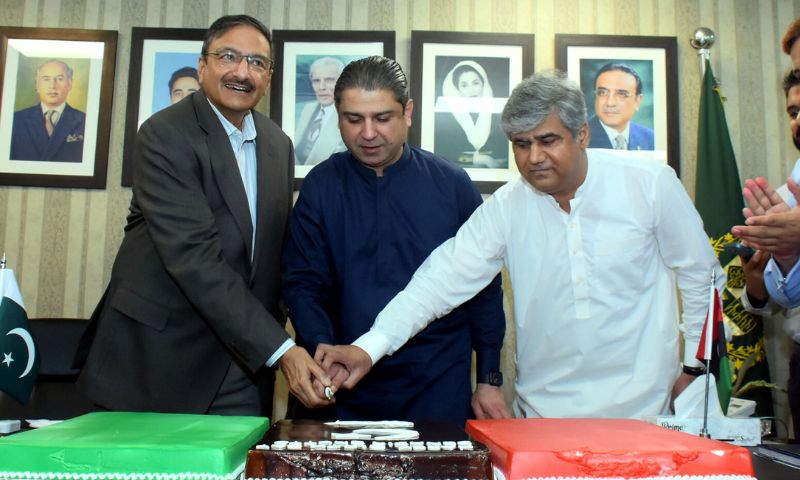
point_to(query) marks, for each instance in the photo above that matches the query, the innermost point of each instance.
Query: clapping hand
(770, 224)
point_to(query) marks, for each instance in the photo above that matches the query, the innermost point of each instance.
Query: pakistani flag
(19, 361)
(719, 201)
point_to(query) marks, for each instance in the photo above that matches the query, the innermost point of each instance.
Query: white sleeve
(686, 249)
(768, 310)
(452, 274)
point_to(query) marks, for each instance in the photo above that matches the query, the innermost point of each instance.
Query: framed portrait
(307, 65)
(56, 90)
(631, 88)
(460, 83)
(163, 70)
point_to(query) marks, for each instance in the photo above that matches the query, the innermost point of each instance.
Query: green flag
(719, 200)
(19, 361)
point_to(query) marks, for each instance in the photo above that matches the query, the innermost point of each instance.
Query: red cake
(605, 448)
(307, 449)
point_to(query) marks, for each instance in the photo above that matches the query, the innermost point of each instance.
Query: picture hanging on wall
(460, 83)
(163, 70)
(631, 88)
(307, 65)
(56, 90)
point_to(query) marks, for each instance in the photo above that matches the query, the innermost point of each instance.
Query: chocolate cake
(307, 449)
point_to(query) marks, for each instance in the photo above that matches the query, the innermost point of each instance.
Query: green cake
(120, 445)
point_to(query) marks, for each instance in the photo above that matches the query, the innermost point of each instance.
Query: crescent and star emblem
(26, 337)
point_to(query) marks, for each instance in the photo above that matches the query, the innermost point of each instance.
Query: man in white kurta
(595, 243)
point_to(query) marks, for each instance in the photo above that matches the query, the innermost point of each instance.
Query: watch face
(495, 379)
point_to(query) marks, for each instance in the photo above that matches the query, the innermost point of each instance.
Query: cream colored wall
(62, 242)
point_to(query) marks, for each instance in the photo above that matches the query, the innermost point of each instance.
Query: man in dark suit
(51, 130)
(617, 97)
(191, 318)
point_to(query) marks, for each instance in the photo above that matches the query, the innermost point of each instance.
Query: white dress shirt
(595, 299)
(243, 143)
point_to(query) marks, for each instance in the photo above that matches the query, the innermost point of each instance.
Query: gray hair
(320, 62)
(67, 68)
(539, 95)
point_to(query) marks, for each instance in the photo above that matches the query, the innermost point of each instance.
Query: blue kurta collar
(369, 175)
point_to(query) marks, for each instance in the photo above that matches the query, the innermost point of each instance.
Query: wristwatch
(693, 371)
(494, 379)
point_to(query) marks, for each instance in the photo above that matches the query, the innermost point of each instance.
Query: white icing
(371, 424)
(351, 445)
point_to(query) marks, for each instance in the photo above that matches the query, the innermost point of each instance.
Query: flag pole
(709, 339)
(702, 40)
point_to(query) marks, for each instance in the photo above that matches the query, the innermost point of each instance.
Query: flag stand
(702, 40)
(707, 349)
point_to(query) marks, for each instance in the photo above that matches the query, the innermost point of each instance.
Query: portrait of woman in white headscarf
(467, 120)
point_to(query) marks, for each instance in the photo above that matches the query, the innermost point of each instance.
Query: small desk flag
(713, 348)
(19, 360)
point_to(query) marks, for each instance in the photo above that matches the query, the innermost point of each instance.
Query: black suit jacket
(29, 140)
(184, 300)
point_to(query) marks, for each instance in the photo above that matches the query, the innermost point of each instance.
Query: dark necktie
(312, 133)
(50, 120)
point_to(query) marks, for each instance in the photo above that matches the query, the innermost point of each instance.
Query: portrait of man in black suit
(317, 126)
(618, 96)
(51, 130)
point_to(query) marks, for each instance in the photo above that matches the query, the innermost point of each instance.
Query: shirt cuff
(289, 343)
(764, 310)
(690, 353)
(782, 289)
(376, 345)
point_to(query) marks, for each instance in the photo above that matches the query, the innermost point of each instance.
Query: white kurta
(595, 298)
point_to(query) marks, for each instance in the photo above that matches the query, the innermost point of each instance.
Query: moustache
(243, 84)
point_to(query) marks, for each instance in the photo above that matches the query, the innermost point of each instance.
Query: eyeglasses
(622, 95)
(230, 59)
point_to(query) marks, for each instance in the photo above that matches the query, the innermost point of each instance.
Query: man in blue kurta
(364, 221)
